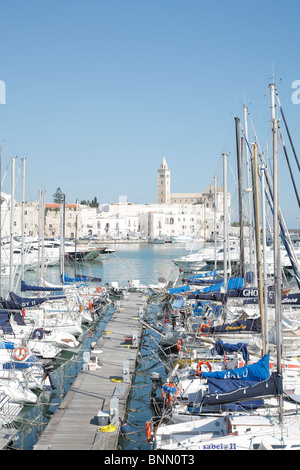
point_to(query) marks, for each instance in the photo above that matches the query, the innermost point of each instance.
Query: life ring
(148, 431)
(208, 364)
(99, 289)
(179, 345)
(203, 326)
(20, 353)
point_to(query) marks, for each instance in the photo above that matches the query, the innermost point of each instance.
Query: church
(166, 197)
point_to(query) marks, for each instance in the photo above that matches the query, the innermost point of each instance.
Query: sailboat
(239, 430)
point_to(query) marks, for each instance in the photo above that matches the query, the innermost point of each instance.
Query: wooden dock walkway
(74, 425)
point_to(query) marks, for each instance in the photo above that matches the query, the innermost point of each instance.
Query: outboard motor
(156, 380)
(47, 368)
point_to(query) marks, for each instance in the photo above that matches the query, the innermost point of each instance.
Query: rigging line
(287, 130)
(289, 166)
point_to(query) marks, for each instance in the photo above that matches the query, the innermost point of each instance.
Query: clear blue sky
(98, 91)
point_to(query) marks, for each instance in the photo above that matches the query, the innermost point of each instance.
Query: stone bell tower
(163, 183)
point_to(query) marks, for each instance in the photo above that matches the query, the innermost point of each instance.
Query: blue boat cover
(234, 283)
(26, 287)
(254, 372)
(5, 325)
(204, 275)
(178, 290)
(6, 344)
(221, 348)
(233, 391)
(26, 302)
(80, 278)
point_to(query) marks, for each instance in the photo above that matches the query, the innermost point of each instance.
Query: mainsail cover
(256, 372)
(81, 278)
(179, 290)
(26, 302)
(234, 391)
(28, 287)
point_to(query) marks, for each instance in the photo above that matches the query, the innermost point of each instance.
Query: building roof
(57, 206)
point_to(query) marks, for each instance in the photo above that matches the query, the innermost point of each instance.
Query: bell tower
(163, 183)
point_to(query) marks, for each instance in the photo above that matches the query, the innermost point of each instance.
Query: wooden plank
(74, 425)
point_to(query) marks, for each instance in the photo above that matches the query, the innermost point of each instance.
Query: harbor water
(143, 262)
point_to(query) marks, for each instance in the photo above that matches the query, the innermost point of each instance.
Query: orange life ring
(203, 326)
(20, 353)
(200, 364)
(99, 289)
(148, 431)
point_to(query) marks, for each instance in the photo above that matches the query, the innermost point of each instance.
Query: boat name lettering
(241, 327)
(250, 292)
(289, 301)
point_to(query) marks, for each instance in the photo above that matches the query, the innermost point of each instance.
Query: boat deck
(75, 424)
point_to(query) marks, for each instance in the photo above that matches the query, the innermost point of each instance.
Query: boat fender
(148, 431)
(200, 364)
(179, 345)
(91, 306)
(20, 353)
(38, 333)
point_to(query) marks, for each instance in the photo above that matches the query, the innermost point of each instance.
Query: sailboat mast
(258, 244)
(225, 208)
(215, 221)
(264, 234)
(276, 243)
(240, 189)
(248, 169)
(23, 218)
(12, 216)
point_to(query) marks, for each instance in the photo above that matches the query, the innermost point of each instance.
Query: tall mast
(215, 220)
(264, 234)
(240, 188)
(23, 218)
(248, 167)
(258, 243)
(225, 208)
(276, 236)
(12, 216)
